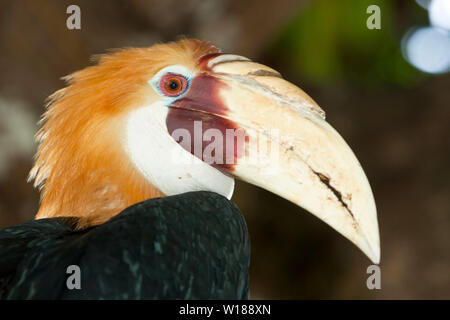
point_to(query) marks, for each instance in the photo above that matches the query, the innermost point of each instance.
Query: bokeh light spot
(427, 49)
(439, 12)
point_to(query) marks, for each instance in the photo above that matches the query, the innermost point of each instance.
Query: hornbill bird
(136, 164)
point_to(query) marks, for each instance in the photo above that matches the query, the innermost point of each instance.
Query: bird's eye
(173, 85)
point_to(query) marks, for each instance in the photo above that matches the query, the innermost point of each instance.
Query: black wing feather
(189, 246)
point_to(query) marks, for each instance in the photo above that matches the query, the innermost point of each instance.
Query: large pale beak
(304, 159)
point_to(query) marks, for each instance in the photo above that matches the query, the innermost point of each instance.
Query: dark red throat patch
(197, 123)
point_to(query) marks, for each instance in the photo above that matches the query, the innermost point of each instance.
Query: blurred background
(395, 117)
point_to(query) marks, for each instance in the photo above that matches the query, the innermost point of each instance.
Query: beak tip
(374, 256)
(371, 248)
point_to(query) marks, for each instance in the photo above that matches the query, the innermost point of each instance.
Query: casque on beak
(291, 150)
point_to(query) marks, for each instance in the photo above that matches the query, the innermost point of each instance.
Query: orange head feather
(80, 167)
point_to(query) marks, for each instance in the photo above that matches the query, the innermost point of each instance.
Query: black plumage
(190, 246)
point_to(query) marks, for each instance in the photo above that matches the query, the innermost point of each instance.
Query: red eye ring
(173, 85)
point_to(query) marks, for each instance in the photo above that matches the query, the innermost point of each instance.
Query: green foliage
(329, 41)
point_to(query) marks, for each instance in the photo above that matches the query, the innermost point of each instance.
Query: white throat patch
(163, 162)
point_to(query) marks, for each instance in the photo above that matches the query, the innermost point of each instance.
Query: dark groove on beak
(264, 73)
(326, 181)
